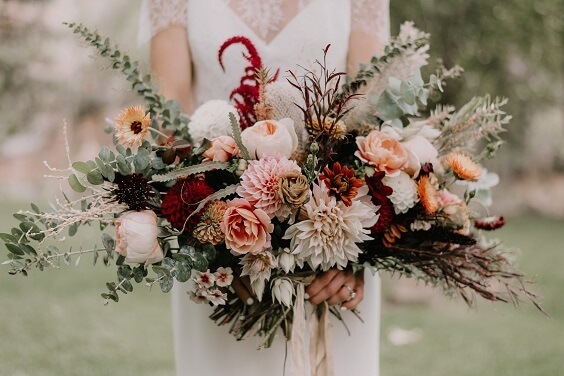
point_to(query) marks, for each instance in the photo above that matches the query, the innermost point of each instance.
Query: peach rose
(420, 151)
(222, 148)
(383, 152)
(136, 237)
(271, 138)
(246, 229)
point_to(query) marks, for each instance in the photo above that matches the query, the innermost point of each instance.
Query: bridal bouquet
(289, 178)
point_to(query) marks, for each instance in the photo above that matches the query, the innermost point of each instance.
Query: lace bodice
(286, 33)
(267, 17)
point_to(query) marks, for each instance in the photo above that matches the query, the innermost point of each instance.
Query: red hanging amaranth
(246, 95)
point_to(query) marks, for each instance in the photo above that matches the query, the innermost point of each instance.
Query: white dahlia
(329, 235)
(404, 195)
(211, 120)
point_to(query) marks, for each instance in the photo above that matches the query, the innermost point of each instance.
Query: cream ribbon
(320, 339)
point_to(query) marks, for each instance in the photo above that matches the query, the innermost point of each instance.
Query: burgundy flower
(181, 201)
(380, 193)
(490, 223)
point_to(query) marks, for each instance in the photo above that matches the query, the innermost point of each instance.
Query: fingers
(344, 293)
(359, 290)
(244, 293)
(320, 282)
(331, 287)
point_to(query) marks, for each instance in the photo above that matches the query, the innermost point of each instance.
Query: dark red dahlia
(490, 223)
(181, 201)
(380, 193)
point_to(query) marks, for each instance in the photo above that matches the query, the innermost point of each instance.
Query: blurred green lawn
(54, 323)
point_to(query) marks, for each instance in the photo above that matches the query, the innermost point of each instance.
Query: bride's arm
(370, 31)
(171, 65)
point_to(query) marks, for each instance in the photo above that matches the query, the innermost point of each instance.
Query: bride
(185, 38)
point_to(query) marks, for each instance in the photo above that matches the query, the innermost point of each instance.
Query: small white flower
(286, 260)
(283, 291)
(199, 296)
(204, 279)
(223, 277)
(404, 195)
(211, 120)
(216, 297)
(419, 225)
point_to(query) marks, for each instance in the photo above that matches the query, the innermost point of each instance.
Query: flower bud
(314, 148)
(283, 291)
(286, 261)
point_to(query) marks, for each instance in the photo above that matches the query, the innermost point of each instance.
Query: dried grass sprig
(463, 269)
(480, 119)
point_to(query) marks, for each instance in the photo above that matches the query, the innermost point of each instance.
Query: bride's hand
(334, 286)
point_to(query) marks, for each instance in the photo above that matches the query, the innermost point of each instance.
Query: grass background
(54, 323)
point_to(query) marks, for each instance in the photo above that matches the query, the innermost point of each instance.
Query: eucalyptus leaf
(14, 249)
(75, 184)
(182, 272)
(95, 177)
(73, 229)
(82, 167)
(166, 284)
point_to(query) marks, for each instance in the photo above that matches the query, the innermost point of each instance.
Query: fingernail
(250, 301)
(306, 296)
(343, 308)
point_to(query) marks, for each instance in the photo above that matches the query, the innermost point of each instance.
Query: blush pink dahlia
(260, 183)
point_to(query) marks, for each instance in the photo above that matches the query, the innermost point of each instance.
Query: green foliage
(512, 49)
(166, 112)
(236, 129)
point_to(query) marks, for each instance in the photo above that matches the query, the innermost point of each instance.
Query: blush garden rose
(136, 237)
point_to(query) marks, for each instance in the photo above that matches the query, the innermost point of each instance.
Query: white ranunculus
(136, 237)
(282, 291)
(276, 138)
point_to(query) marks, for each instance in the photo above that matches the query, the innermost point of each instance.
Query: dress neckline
(283, 30)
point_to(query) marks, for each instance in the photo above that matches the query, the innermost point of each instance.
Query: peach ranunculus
(420, 151)
(247, 229)
(222, 148)
(136, 237)
(271, 138)
(383, 152)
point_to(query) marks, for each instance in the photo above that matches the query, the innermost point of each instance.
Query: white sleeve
(157, 15)
(372, 19)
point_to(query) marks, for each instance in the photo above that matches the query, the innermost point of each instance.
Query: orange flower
(428, 194)
(462, 166)
(341, 182)
(132, 125)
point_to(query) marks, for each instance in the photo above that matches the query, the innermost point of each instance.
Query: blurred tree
(23, 91)
(512, 48)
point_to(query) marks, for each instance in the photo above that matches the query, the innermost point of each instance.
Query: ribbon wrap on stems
(321, 359)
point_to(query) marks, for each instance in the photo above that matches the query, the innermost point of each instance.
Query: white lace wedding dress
(285, 33)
